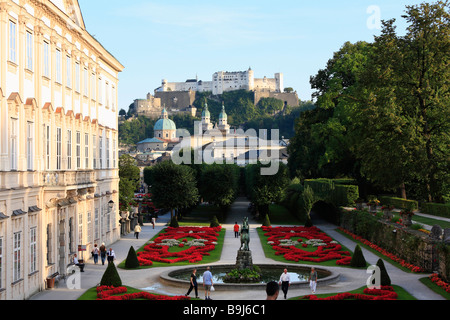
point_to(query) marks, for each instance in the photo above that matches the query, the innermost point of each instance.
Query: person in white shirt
(285, 282)
(77, 263)
(111, 255)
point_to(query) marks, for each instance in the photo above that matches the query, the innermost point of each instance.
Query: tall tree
(172, 186)
(129, 175)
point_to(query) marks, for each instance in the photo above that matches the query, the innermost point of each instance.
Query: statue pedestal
(244, 260)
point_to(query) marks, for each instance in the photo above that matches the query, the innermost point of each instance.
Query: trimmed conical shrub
(111, 276)
(358, 260)
(385, 279)
(214, 222)
(266, 222)
(132, 261)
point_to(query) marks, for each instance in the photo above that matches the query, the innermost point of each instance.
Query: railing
(68, 178)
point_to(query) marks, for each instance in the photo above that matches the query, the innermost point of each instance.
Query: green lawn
(402, 293)
(279, 215)
(270, 253)
(426, 281)
(213, 257)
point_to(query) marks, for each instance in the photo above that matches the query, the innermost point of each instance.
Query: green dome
(223, 114)
(164, 124)
(206, 113)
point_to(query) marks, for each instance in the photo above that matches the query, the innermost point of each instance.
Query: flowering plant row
(204, 241)
(441, 283)
(327, 249)
(385, 293)
(110, 293)
(391, 256)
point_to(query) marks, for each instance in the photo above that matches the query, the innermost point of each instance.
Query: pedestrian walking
(194, 285)
(103, 253)
(111, 255)
(153, 220)
(207, 283)
(236, 230)
(285, 282)
(313, 280)
(137, 230)
(95, 252)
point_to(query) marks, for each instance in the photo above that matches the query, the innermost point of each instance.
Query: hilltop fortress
(179, 96)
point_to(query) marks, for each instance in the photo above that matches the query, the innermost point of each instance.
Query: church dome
(223, 114)
(164, 123)
(206, 113)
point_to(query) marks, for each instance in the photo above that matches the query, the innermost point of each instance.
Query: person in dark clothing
(194, 284)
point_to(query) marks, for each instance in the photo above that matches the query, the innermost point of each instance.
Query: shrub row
(399, 203)
(436, 209)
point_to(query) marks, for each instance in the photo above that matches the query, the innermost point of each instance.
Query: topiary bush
(214, 222)
(132, 261)
(358, 260)
(385, 279)
(111, 276)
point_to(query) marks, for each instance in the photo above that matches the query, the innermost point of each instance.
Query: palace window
(77, 77)
(33, 250)
(96, 224)
(100, 149)
(80, 228)
(49, 244)
(30, 145)
(93, 91)
(86, 82)
(47, 146)
(69, 149)
(14, 144)
(68, 72)
(17, 256)
(89, 227)
(58, 66)
(78, 149)
(58, 148)
(86, 150)
(107, 153)
(46, 60)
(29, 50)
(12, 41)
(94, 152)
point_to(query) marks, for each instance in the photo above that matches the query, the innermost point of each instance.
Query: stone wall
(290, 98)
(415, 247)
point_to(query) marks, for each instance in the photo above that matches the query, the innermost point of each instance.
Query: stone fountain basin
(169, 277)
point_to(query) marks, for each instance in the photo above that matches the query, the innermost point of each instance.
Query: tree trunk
(403, 191)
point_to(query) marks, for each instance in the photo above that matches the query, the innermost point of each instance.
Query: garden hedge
(436, 209)
(399, 203)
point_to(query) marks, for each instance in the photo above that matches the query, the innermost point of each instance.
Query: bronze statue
(245, 235)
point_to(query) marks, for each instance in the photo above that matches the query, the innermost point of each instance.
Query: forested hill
(269, 113)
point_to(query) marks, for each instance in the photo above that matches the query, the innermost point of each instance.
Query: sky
(179, 40)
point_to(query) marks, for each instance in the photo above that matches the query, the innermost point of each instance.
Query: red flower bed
(385, 293)
(110, 293)
(329, 251)
(158, 252)
(441, 283)
(391, 256)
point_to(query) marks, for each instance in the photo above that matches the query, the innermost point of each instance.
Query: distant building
(227, 81)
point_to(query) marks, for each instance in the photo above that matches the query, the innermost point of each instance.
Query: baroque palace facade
(58, 143)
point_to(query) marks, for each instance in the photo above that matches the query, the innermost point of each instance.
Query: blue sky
(178, 40)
